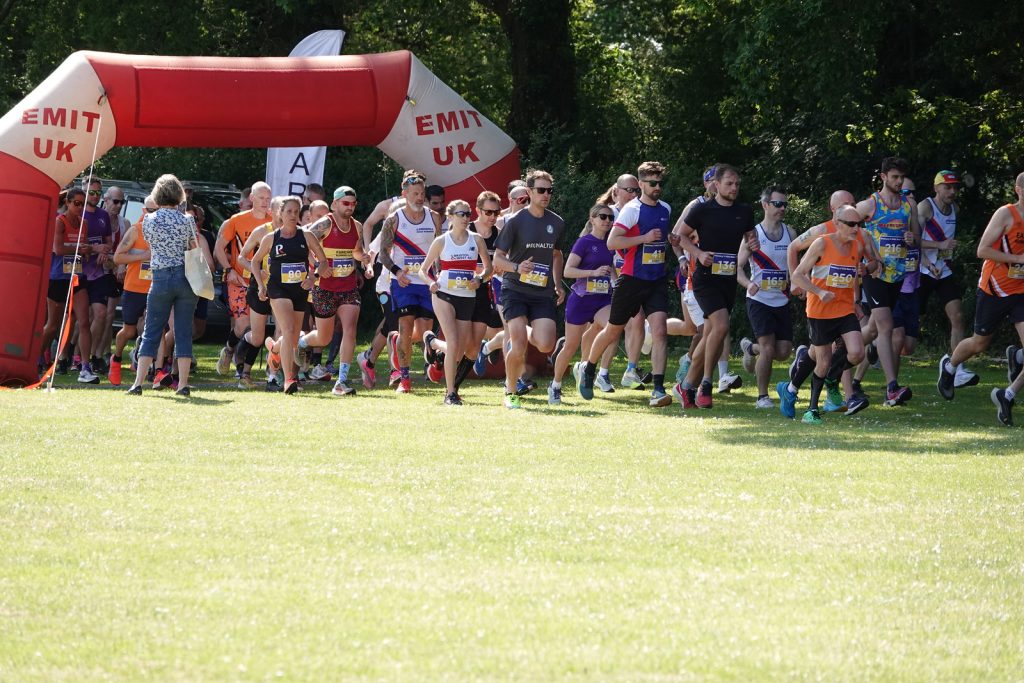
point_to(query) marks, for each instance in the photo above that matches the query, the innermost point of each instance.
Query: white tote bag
(197, 271)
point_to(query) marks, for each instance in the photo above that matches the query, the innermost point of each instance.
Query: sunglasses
(634, 190)
(94, 193)
(462, 214)
(852, 224)
(604, 216)
(778, 203)
(490, 212)
(78, 202)
(346, 203)
(119, 202)
(654, 183)
(543, 190)
(411, 180)
(907, 193)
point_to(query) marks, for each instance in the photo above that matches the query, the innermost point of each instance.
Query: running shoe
(857, 403)
(135, 354)
(811, 417)
(429, 355)
(404, 386)
(291, 386)
(393, 350)
(87, 376)
(764, 403)
(645, 378)
(331, 368)
(965, 378)
(62, 366)
(524, 386)
(659, 399)
(800, 352)
(162, 379)
(749, 359)
(273, 385)
(898, 396)
(114, 376)
(435, 372)
(99, 367)
(224, 361)
(369, 374)
(273, 359)
(394, 378)
(318, 373)
(585, 381)
(184, 392)
(631, 380)
(135, 390)
(684, 367)
(576, 372)
(342, 388)
(559, 345)
(1012, 366)
(648, 343)
(604, 383)
(554, 395)
(871, 351)
(728, 382)
(480, 364)
(833, 397)
(1004, 407)
(245, 382)
(704, 395)
(512, 402)
(452, 399)
(678, 392)
(787, 399)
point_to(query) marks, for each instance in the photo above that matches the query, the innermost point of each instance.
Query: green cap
(344, 191)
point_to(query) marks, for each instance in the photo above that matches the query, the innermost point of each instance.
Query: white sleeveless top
(412, 240)
(938, 228)
(769, 269)
(458, 266)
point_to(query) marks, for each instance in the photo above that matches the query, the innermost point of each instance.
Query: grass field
(257, 536)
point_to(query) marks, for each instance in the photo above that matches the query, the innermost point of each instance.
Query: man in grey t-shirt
(529, 251)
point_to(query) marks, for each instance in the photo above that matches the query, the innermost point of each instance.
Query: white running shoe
(319, 373)
(749, 359)
(223, 361)
(645, 348)
(764, 403)
(728, 382)
(604, 384)
(630, 380)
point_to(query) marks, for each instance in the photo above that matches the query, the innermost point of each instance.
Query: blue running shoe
(787, 399)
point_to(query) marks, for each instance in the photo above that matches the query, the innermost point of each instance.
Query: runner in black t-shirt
(529, 250)
(721, 224)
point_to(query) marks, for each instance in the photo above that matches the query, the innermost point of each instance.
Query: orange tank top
(1005, 279)
(836, 272)
(138, 277)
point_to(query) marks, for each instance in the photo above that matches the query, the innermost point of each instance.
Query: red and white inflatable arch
(95, 101)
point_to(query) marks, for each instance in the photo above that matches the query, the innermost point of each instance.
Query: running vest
(887, 227)
(458, 265)
(412, 240)
(769, 269)
(836, 272)
(939, 228)
(1005, 279)
(289, 258)
(338, 247)
(64, 266)
(137, 276)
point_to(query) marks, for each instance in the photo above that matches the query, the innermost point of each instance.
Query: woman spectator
(169, 233)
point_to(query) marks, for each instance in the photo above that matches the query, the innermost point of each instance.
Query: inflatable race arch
(95, 101)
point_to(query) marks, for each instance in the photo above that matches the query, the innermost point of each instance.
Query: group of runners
(492, 279)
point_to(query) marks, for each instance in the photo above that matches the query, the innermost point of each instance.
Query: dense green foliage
(810, 93)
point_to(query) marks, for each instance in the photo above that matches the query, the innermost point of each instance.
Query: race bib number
(459, 279)
(723, 264)
(653, 253)
(774, 280)
(892, 248)
(341, 261)
(145, 272)
(599, 285)
(1015, 271)
(840, 277)
(413, 264)
(70, 264)
(913, 258)
(946, 254)
(538, 277)
(293, 273)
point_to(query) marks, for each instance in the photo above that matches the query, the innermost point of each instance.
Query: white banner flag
(291, 169)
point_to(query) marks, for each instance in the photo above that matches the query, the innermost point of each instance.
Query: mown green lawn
(259, 536)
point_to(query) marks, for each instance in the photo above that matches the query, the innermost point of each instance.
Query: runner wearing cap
(340, 236)
(1000, 296)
